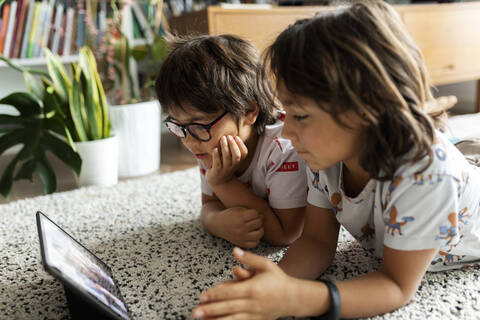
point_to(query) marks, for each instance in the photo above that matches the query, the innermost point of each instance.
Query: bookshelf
(448, 34)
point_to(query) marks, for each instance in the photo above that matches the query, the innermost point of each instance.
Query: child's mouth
(201, 155)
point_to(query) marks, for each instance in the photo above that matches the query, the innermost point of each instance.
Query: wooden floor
(174, 156)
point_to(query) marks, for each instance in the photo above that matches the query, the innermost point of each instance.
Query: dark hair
(359, 57)
(215, 73)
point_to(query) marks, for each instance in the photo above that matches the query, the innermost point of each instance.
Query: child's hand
(241, 226)
(226, 161)
(263, 296)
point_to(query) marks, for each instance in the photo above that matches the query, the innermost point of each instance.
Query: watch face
(73, 264)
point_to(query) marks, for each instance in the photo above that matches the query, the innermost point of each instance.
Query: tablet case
(79, 307)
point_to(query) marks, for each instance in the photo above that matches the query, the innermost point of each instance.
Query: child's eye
(299, 117)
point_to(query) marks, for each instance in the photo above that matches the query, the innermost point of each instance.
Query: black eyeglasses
(197, 130)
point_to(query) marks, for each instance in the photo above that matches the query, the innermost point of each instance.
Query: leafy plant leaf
(34, 86)
(46, 173)
(14, 120)
(139, 52)
(10, 139)
(26, 171)
(75, 104)
(26, 103)
(58, 74)
(92, 110)
(63, 151)
(159, 49)
(20, 68)
(58, 126)
(7, 177)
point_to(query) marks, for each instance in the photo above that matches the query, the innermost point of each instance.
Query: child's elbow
(287, 237)
(292, 235)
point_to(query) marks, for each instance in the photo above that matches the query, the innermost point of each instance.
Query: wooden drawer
(449, 37)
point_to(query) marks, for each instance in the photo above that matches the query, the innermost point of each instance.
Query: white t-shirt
(276, 173)
(439, 208)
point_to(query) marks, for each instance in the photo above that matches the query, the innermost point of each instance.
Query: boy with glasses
(253, 182)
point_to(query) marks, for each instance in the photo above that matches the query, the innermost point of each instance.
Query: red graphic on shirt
(202, 171)
(289, 166)
(272, 164)
(281, 116)
(278, 142)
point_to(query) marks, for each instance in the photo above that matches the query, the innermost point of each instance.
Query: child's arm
(270, 293)
(318, 243)
(241, 226)
(282, 226)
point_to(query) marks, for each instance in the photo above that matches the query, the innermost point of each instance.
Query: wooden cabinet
(448, 34)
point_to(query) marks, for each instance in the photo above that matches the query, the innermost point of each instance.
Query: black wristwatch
(334, 312)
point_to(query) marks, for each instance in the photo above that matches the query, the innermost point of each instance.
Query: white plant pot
(138, 129)
(99, 162)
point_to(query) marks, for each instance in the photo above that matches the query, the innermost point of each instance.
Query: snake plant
(58, 109)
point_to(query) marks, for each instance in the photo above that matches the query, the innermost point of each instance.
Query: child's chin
(315, 166)
(207, 163)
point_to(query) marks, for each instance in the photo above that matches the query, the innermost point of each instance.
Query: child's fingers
(242, 147)
(224, 309)
(235, 150)
(216, 163)
(254, 224)
(252, 260)
(226, 155)
(241, 273)
(250, 214)
(251, 244)
(255, 234)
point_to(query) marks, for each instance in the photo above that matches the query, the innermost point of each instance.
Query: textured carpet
(148, 232)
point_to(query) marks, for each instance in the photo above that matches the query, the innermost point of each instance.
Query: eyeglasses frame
(185, 127)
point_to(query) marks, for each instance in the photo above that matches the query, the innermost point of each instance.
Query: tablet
(80, 271)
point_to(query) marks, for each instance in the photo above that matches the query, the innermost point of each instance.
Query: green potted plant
(128, 68)
(60, 113)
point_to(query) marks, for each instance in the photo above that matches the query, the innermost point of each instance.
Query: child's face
(317, 138)
(226, 125)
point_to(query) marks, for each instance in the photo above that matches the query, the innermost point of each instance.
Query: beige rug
(148, 232)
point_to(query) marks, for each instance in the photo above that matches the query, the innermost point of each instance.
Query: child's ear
(252, 113)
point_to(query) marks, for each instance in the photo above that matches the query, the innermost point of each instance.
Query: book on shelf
(81, 24)
(10, 26)
(46, 26)
(3, 32)
(15, 21)
(29, 26)
(33, 30)
(67, 42)
(19, 29)
(57, 28)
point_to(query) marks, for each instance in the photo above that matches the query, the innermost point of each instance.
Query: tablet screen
(68, 260)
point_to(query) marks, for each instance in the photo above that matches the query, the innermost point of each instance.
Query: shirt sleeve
(286, 180)
(421, 214)
(317, 190)
(206, 189)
